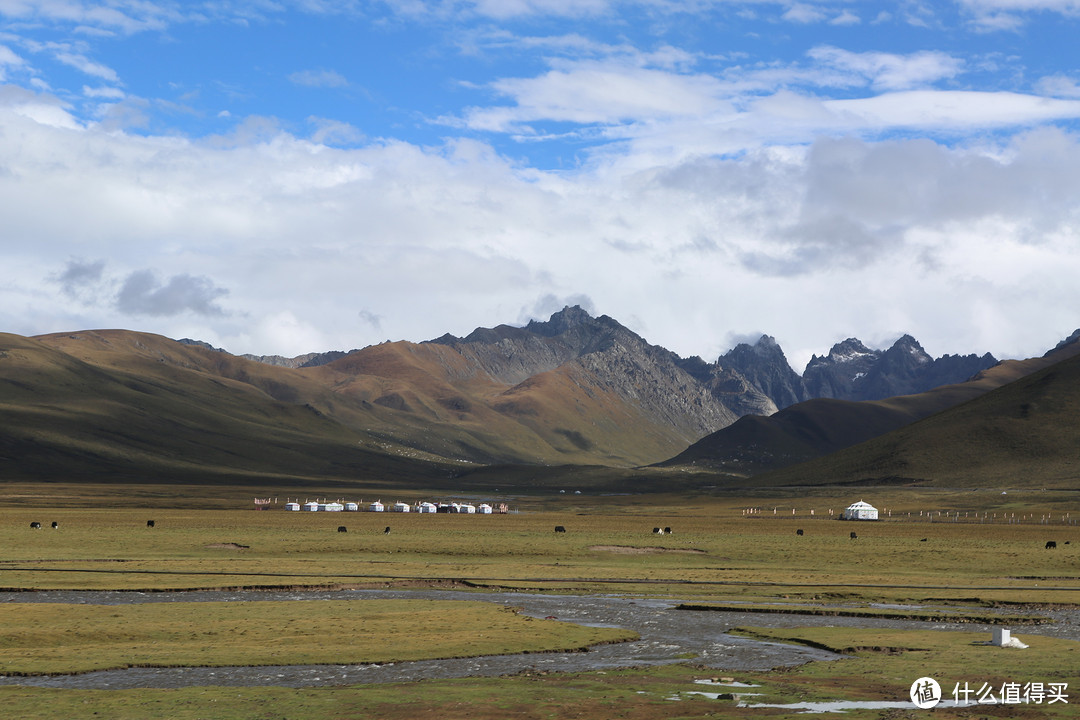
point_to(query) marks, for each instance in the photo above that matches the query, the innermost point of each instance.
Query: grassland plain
(716, 553)
(49, 638)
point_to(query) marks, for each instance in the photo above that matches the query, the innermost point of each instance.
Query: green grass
(46, 638)
(714, 554)
(868, 612)
(884, 663)
(627, 694)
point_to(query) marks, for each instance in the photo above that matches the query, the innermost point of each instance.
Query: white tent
(860, 511)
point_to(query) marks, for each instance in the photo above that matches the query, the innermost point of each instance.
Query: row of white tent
(402, 507)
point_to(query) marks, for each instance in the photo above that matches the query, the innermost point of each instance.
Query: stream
(667, 635)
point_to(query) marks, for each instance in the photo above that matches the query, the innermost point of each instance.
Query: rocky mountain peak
(911, 347)
(764, 366)
(850, 350)
(1075, 337)
(566, 319)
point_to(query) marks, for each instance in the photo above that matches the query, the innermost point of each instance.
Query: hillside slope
(814, 428)
(130, 407)
(1023, 434)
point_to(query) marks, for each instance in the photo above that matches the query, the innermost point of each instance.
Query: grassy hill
(755, 445)
(122, 406)
(125, 407)
(1025, 434)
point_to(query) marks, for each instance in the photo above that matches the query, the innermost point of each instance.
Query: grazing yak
(799, 531)
(342, 528)
(35, 525)
(1051, 544)
(667, 531)
(854, 536)
(386, 531)
(560, 528)
(149, 523)
(55, 525)
(656, 531)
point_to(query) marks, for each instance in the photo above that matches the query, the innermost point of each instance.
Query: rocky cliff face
(581, 383)
(598, 353)
(764, 366)
(851, 371)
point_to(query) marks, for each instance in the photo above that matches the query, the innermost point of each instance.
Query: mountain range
(571, 390)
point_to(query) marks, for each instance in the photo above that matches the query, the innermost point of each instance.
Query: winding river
(668, 635)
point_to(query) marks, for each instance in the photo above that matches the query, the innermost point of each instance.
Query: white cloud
(1011, 15)
(957, 110)
(598, 93)
(86, 65)
(108, 93)
(804, 14)
(319, 79)
(846, 17)
(1061, 86)
(323, 248)
(334, 132)
(9, 59)
(889, 71)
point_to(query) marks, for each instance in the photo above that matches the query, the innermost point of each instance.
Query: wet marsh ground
(715, 553)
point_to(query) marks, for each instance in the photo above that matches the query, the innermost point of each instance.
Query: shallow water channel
(668, 635)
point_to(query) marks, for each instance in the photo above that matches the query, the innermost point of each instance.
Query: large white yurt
(860, 511)
(426, 507)
(332, 507)
(375, 507)
(311, 506)
(292, 506)
(402, 507)
(483, 509)
(351, 507)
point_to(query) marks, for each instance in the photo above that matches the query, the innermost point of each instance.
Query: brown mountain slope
(131, 407)
(812, 429)
(1023, 434)
(441, 400)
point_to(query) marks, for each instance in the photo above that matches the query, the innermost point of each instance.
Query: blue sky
(285, 177)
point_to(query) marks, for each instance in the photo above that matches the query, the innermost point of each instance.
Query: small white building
(311, 506)
(483, 509)
(860, 511)
(292, 506)
(467, 508)
(375, 507)
(332, 507)
(351, 507)
(401, 507)
(426, 507)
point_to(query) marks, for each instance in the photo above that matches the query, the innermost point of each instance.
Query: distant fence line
(926, 516)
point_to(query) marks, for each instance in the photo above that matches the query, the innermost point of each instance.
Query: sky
(292, 176)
